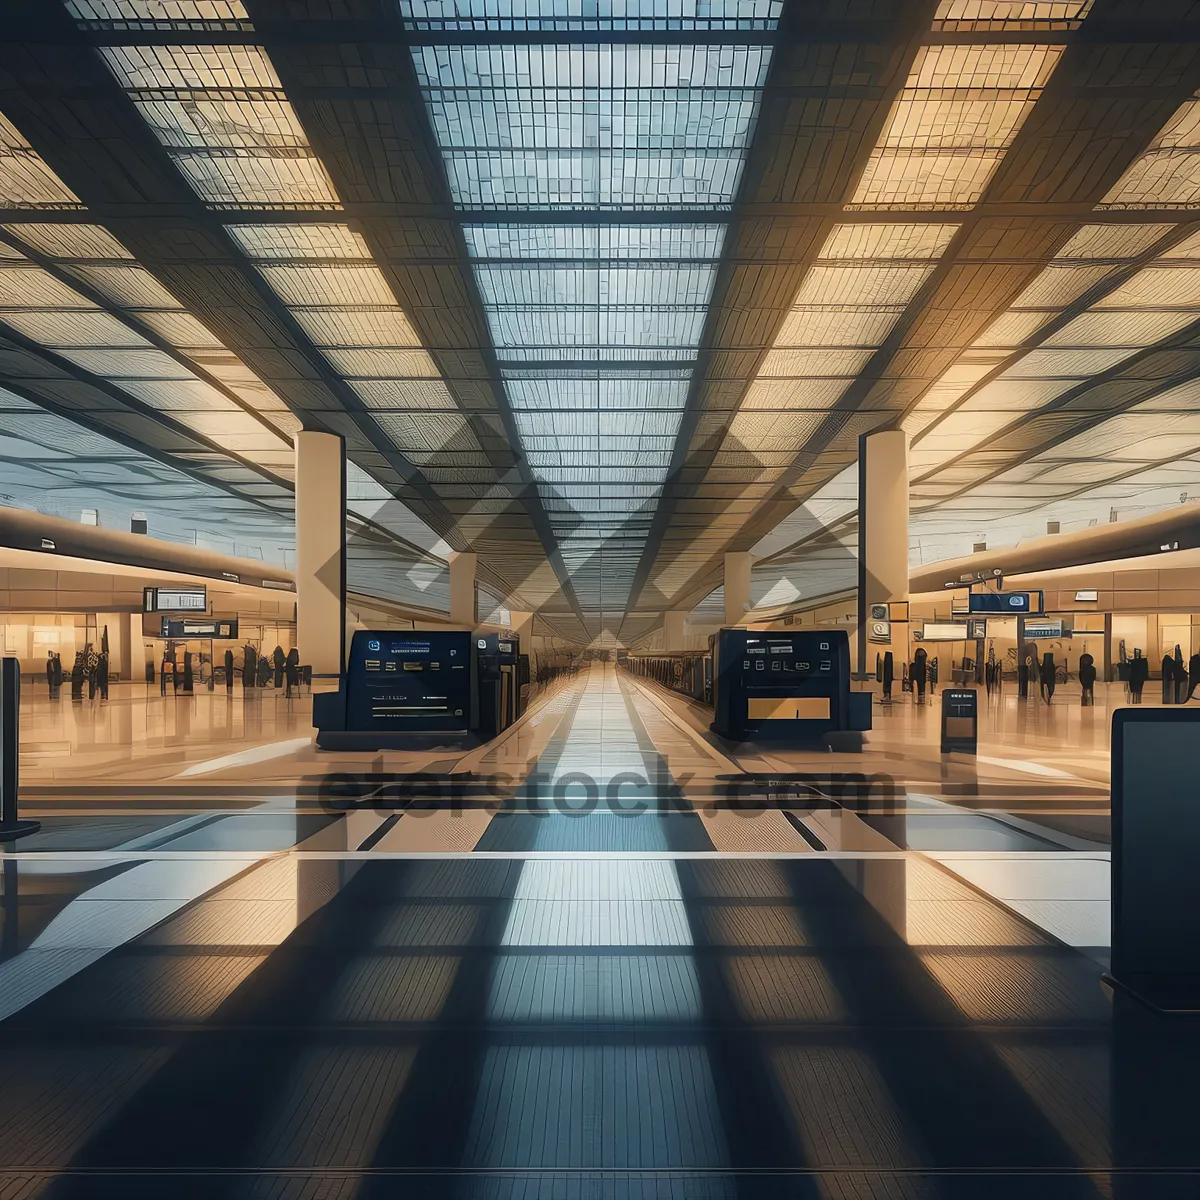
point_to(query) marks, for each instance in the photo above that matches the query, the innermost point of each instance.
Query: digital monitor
(1042, 628)
(410, 680)
(175, 600)
(944, 632)
(1155, 831)
(1013, 604)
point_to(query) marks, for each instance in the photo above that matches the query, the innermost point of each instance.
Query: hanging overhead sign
(1013, 604)
(175, 600)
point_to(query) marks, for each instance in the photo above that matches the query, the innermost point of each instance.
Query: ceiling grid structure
(1053, 129)
(576, 148)
(603, 293)
(360, 103)
(211, 138)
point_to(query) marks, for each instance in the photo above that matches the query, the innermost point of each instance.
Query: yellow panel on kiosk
(787, 708)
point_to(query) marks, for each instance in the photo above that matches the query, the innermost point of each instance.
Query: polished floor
(604, 957)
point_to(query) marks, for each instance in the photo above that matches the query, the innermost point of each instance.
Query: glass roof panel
(221, 112)
(946, 134)
(25, 180)
(605, 14)
(594, 127)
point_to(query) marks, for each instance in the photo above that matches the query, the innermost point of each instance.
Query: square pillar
(674, 623)
(321, 551)
(882, 529)
(521, 623)
(463, 603)
(737, 586)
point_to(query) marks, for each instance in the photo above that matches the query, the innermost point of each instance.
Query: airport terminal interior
(600, 599)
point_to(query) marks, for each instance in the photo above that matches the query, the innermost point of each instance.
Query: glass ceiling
(595, 320)
(594, 178)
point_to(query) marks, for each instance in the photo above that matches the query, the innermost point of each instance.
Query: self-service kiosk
(399, 683)
(791, 685)
(499, 657)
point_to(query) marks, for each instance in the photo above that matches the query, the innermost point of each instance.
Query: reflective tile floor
(637, 991)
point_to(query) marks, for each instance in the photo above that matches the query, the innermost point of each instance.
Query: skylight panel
(1014, 11)
(25, 179)
(1168, 173)
(147, 364)
(1132, 329)
(79, 328)
(933, 180)
(173, 13)
(329, 286)
(1016, 394)
(31, 287)
(181, 329)
(557, 14)
(837, 326)
(609, 126)
(888, 241)
(129, 286)
(794, 363)
(951, 386)
(625, 286)
(1011, 329)
(404, 393)
(222, 114)
(368, 327)
(382, 364)
(597, 242)
(1057, 286)
(940, 148)
(1113, 241)
(794, 393)
(835, 285)
(1157, 287)
(1056, 363)
(557, 329)
(307, 241)
(597, 394)
(1008, 66)
(69, 241)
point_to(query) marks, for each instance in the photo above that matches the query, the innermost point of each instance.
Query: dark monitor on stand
(1155, 852)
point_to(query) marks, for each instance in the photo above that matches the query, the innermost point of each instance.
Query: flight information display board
(1013, 604)
(175, 600)
(410, 681)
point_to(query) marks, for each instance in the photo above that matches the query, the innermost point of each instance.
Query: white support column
(462, 590)
(125, 648)
(882, 532)
(321, 551)
(674, 623)
(521, 623)
(737, 587)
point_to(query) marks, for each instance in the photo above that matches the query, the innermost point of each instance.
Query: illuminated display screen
(1011, 603)
(175, 600)
(414, 683)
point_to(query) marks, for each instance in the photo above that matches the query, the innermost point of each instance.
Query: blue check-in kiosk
(399, 683)
(786, 685)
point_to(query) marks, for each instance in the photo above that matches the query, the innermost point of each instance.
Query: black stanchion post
(10, 751)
